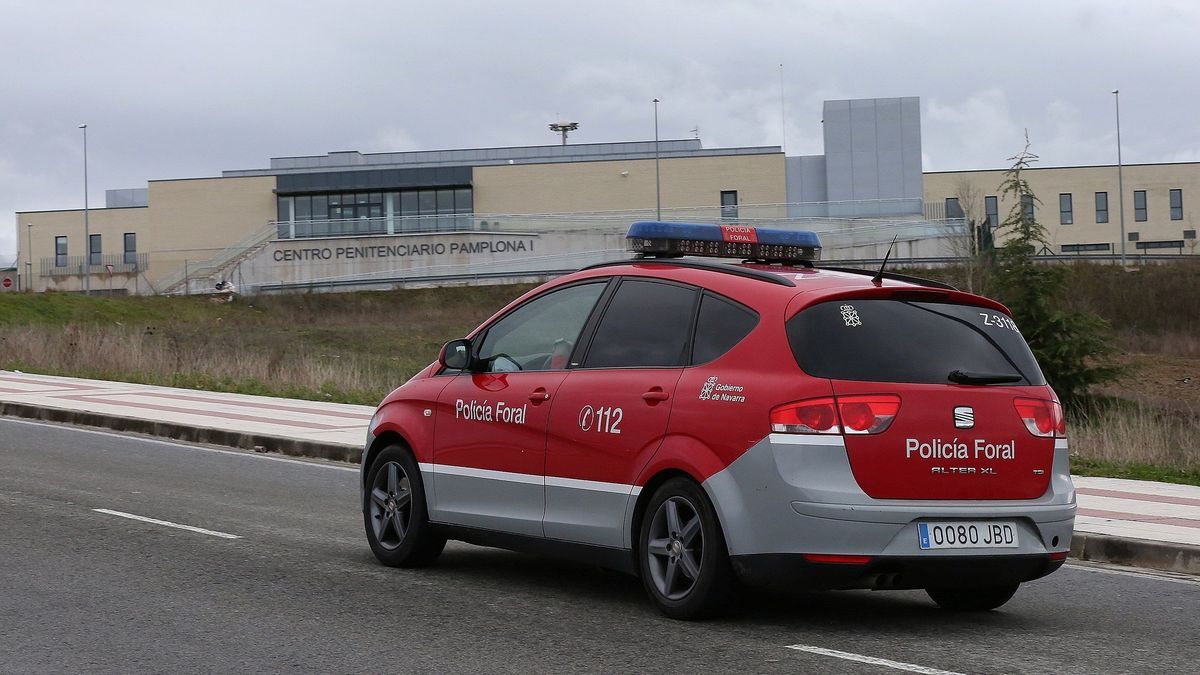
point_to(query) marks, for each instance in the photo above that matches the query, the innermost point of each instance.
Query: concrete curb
(180, 432)
(1180, 558)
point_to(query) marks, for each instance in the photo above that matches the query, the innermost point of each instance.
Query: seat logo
(964, 417)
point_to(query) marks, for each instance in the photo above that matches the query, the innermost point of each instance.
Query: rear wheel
(394, 514)
(684, 563)
(972, 599)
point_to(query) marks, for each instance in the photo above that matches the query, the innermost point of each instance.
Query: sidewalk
(1128, 522)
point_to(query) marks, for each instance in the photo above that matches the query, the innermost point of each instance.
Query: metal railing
(76, 265)
(201, 269)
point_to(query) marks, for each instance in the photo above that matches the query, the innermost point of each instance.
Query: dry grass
(352, 347)
(1135, 433)
(1170, 342)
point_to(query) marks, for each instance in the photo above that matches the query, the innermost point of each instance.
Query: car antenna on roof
(878, 278)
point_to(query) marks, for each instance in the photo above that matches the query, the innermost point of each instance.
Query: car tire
(682, 557)
(394, 511)
(972, 599)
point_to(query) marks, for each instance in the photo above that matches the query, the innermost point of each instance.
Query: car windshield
(917, 342)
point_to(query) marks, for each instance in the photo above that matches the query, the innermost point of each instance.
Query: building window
(1065, 210)
(1027, 207)
(1189, 234)
(360, 213)
(130, 248)
(1176, 204)
(991, 210)
(1146, 245)
(1139, 205)
(60, 251)
(1133, 236)
(729, 205)
(94, 250)
(1084, 248)
(953, 208)
(1101, 207)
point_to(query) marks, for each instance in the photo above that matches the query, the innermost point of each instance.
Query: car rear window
(903, 341)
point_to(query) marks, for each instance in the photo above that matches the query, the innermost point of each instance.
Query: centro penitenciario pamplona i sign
(302, 253)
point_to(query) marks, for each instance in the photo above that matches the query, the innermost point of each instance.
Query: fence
(76, 265)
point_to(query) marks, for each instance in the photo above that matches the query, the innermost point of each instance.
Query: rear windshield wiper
(961, 377)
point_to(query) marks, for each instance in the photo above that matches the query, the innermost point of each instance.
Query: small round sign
(7, 283)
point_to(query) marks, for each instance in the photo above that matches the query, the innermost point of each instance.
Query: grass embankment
(347, 347)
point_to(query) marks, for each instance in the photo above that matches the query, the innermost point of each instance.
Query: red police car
(699, 423)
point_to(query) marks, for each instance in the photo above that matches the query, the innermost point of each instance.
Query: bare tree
(966, 246)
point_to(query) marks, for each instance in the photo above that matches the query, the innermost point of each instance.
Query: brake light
(862, 414)
(871, 414)
(814, 416)
(1042, 418)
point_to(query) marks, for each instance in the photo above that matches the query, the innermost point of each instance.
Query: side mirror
(456, 354)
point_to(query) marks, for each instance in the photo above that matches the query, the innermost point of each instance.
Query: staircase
(200, 275)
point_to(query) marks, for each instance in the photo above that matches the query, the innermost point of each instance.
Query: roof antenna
(878, 278)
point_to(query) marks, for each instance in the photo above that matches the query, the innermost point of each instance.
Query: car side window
(646, 324)
(540, 334)
(720, 325)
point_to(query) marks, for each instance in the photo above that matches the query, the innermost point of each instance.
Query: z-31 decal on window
(999, 321)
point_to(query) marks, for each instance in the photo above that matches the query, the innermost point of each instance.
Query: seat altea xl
(698, 423)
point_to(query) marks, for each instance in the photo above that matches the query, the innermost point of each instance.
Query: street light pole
(87, 234)
(29, 256)
(1120, 174)
(657, 179)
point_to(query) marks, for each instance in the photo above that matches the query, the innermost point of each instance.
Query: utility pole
(657, 179)
(87, 233)
(1120, 174)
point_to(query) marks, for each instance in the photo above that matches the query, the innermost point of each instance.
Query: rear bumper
(782, 499)
(793, 571)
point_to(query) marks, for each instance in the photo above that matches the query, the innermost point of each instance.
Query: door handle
(539, 395)
(655, 395)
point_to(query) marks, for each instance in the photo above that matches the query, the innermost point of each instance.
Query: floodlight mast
(564, 128)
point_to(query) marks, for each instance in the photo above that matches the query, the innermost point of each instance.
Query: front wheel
(394, 512)
(684, 563)
(972, 599)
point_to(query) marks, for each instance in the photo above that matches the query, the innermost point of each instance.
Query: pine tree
(1071, 347)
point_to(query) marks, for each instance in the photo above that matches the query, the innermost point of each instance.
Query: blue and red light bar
(655, 238)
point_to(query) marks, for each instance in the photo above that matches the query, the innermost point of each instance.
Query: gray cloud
(175, 90)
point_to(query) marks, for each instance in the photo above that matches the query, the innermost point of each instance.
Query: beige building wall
(200, 217)
(618, 185)
(1082, 183)
(110, 224)
(193, 220)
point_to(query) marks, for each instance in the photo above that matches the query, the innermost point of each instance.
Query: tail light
(814, 416)
(1041, 417)
(870, 414)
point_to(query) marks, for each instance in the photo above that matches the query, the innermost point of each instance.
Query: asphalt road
(298, 590)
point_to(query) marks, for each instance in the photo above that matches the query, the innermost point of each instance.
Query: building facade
(1080, 207)
(355, 220)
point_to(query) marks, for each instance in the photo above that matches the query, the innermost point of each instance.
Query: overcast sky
(182, 89)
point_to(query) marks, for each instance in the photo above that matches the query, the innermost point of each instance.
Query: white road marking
(167, 523)
(1156, 575)
(177, 444)
(872, 660)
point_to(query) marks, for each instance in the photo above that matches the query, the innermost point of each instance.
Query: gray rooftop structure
(536, 154)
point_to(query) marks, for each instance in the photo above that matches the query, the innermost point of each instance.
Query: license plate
(967, 534)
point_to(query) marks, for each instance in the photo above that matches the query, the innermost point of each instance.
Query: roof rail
(701, 265)
(920, 281)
